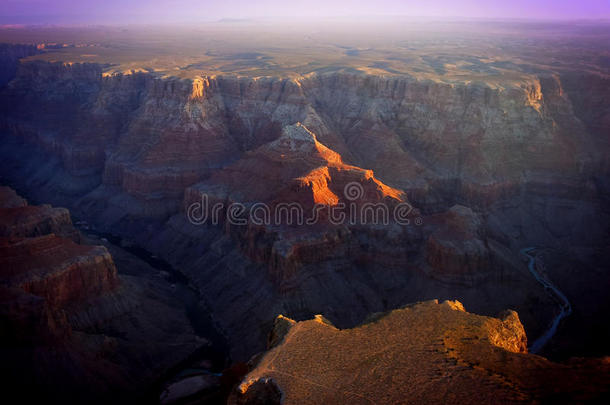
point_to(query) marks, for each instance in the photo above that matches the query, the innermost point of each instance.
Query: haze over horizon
(180, 11)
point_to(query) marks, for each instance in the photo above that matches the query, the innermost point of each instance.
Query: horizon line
(303, 20)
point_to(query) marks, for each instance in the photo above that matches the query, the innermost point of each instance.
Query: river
(566, 307)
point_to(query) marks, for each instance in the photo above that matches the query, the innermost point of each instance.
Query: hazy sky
(152, 11)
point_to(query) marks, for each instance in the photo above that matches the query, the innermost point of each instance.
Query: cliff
(39, 256)
(10, 55)
(154, 137)
(56, 269)
(456, 250)
(423, 353)
(72, 327)
(20, 220)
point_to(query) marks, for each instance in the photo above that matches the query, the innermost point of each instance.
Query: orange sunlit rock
(424, 353)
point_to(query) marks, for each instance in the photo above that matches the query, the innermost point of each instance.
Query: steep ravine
(137, 263)
(214, 354)
(564, 305)
(86, 319)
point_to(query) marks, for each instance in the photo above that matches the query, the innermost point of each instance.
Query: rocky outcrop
(39, 256)
(20, 220)
(456, 250)
(260, 391)
(10, 199)
(300, 196)
(194, 386)
(295, 167)
(281, 327)
(72, 328)
(56, 269)
(423, 353)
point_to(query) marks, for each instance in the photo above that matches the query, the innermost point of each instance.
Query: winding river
(566, 307)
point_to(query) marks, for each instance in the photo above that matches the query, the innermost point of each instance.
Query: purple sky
(148, 11)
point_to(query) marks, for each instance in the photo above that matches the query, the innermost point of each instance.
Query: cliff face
(42, 275)
(57, 269)
(72, 328)
(39, 256)
(20, 220)
(456, 250)
(10, 55)
(153, 137)
(132, 152)
(423, 353)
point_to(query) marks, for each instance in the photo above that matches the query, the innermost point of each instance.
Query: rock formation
(72, 327)
(39, 257)
(422, 353)
(20, 220)
(456, 250)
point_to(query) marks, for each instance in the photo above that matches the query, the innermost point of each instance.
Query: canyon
(477, 165)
